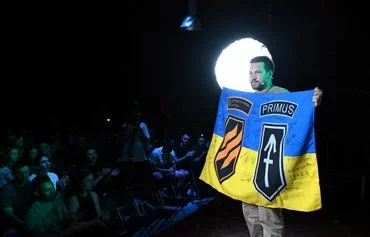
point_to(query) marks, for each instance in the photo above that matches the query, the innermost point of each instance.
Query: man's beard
(256, 85)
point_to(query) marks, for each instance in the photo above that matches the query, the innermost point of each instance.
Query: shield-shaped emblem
(228, 153)
(269, 178)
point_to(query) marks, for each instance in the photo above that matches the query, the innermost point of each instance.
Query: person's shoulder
(58, 201)
(94, 195)
(156, 150)
(72, 197)
(143, 124)
(159, 149)
(278, 89)
(6, 189)
(177, 145)
(52, 174)
(31, 177)
(35, 206)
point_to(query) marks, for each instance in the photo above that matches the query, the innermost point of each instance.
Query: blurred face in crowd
(13, 155)
(47, 191)
(44, 148)
(44, 164)
(92, 156)
(33, 153)
(87, 183)
(21, 175)
(185, 140)
(201, 141)
(19, 142)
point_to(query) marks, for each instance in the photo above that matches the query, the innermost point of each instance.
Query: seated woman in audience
(7, 163)
(30, 156)
(84, 204)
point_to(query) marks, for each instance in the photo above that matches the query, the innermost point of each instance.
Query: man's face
(47, 191)
(185, 140)
(92, 156)
(21, 175)
(19, 142)
(44, 148)
(13, 155)
(202, 142)
(137, 117)
(33, 153)
(44, 164)
(258, 76)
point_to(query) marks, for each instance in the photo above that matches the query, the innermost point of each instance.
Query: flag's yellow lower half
(302, 190)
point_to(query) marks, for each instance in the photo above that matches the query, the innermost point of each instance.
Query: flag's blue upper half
(281, 108)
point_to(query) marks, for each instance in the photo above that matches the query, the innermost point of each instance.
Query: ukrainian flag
(263, 150)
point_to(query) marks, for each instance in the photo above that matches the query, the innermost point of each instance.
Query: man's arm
(36, 228)
(78, 227)
(6, 205)
(188, 155)
(72, 207)
(95, 198)
(103, 175)
(33, 224)
(155, 161)
(201, 156)
(74, 229)
(144, 132)
(9, 214)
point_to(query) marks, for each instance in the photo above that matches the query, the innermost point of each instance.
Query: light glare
(232, 66)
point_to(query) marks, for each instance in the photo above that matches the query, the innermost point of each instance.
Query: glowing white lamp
(232, 66)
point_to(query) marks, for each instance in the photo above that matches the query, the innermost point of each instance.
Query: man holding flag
(263, 151)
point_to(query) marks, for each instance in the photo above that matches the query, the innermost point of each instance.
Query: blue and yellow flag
(263, 150)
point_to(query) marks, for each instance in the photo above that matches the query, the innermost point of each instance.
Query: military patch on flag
(263, 150)
(230, 148)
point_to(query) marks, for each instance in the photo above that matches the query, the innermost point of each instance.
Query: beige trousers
(263, 221)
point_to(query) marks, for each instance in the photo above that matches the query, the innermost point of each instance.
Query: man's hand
(115, 172)
(190, 153)
(317, 96)
(105, 171)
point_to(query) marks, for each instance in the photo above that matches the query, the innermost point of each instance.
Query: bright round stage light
(232, 66)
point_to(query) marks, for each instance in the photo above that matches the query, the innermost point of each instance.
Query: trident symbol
(270, 146)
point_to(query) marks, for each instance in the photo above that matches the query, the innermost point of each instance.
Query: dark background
(79, 62)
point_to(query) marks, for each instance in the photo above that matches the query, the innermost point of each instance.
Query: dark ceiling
(112, 40)
(80, 55)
